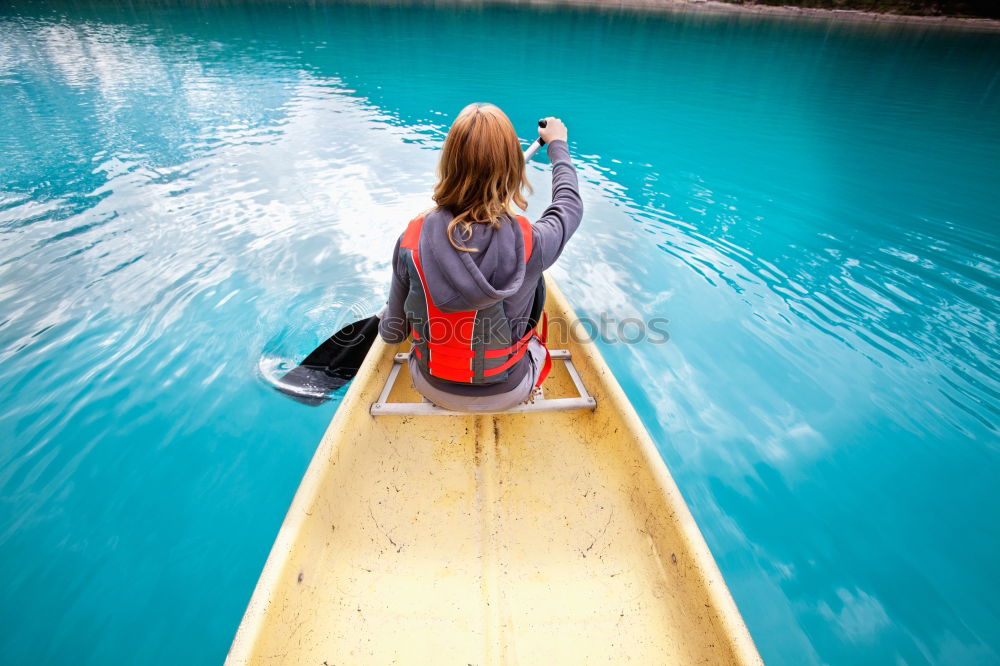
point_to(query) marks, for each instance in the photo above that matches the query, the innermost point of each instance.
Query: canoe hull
(546, 538)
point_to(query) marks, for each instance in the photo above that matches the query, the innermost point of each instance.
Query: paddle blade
(313, 386)
(332, 364)
(347, 347)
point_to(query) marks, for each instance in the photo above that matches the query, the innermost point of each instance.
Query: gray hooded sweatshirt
(462, 281)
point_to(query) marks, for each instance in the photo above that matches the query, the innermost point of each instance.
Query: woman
(467, 275)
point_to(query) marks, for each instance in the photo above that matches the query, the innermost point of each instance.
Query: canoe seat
(537, 403)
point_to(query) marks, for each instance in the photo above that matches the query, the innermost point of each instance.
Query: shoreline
(718, 7)
(848, 14)
(690, 7)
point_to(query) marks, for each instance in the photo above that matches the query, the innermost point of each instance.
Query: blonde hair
(481, 171)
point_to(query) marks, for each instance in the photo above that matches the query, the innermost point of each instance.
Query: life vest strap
(526, 234)
(464, 376)
(543, 336)
(442, 361)
(442, 349)
(498, 353)
(514, 358)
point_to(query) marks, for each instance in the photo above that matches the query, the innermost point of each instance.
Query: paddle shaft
(539, 142)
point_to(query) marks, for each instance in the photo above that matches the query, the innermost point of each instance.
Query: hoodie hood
(460, 281)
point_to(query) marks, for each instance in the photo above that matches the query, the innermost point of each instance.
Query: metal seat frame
(538, 404)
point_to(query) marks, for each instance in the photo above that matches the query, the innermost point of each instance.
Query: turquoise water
(192, 197)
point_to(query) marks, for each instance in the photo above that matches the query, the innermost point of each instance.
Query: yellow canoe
(548, 538)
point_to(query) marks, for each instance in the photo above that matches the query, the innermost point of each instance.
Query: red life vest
(447, 349)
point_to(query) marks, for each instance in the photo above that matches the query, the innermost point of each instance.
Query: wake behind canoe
(533, 538)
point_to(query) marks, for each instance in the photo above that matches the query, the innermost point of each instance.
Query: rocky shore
(975, 14)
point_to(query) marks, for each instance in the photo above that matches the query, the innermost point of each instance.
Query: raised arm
(562, 217)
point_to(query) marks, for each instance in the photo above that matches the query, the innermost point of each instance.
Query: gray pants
(487, 403)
